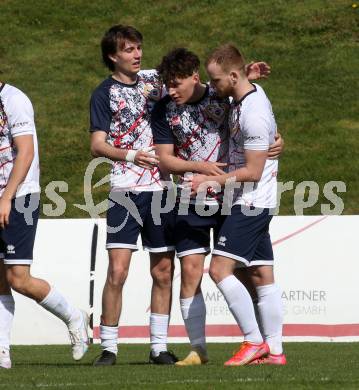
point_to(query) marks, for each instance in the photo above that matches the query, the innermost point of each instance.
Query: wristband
(130, 156)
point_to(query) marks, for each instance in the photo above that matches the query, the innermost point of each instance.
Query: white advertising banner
(316, 267)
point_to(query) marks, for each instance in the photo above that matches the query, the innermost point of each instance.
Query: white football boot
(5, 361)
(79, 337)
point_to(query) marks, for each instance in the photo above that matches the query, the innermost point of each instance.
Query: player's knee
(162, 276)
(262, 275)
(117, 276)
(18, 281)
(215, 272)
(191, 269)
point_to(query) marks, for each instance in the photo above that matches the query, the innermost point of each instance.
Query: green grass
(50, 49)
(310, 366)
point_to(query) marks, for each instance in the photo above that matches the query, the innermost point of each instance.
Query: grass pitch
(310, 366)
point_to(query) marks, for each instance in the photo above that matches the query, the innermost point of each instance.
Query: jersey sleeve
(100, 112)
(256, 131)
(20, 115)
(161, 130)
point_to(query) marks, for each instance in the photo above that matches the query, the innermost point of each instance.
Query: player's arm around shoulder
(276, 149)
(257, 70)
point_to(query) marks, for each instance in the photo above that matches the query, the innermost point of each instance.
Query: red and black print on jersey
(198, 131)
(123, 112)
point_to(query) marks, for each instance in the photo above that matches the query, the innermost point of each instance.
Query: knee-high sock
(270, 309)
(58, 305)
(7, 309)
(194, 316)
(241, 306)
(159, 331)
(109, 336)
(258, 317)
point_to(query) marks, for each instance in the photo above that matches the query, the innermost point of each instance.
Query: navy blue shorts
(132, 214)
(245, 238)
(192, 231)
(18, 238)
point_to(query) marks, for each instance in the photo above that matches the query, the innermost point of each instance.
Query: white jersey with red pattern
(123, 112)
(16, 119)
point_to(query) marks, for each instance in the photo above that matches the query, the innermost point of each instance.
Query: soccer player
(244, 237)
(19, 194)
(120, 130)
(191, 135)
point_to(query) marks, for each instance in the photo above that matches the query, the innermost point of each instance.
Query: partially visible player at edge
(244, 238)
(120, 130)
(191, 135)
(19, 187)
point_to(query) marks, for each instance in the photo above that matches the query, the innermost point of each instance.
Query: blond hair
(228, 57)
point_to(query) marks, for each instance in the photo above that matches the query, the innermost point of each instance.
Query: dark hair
(179, 63)
(114, 39)
(227, 56)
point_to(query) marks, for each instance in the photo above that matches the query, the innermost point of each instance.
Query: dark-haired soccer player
(120, 130)
(191, 135)
(19, 211)
(244, 236)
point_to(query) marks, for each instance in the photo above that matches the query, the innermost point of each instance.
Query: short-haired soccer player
(191, 135)
(120, 130)
(244, 237)
(19, 194)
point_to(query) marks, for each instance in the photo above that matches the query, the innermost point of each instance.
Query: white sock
(194, 316)
(7, 309)
(270, 309)
(240, 304)
(258, 317)
(109, 335)
(57, 304)
(159, 330)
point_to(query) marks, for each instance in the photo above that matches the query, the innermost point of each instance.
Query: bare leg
(191, 275)
(162, 268)
(245, 278)
(119, 263)
(4, 285)
(20, 280)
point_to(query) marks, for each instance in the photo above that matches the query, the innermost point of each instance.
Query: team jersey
(252, 126)
(123, 112)
(16, 119)
(198, 130)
